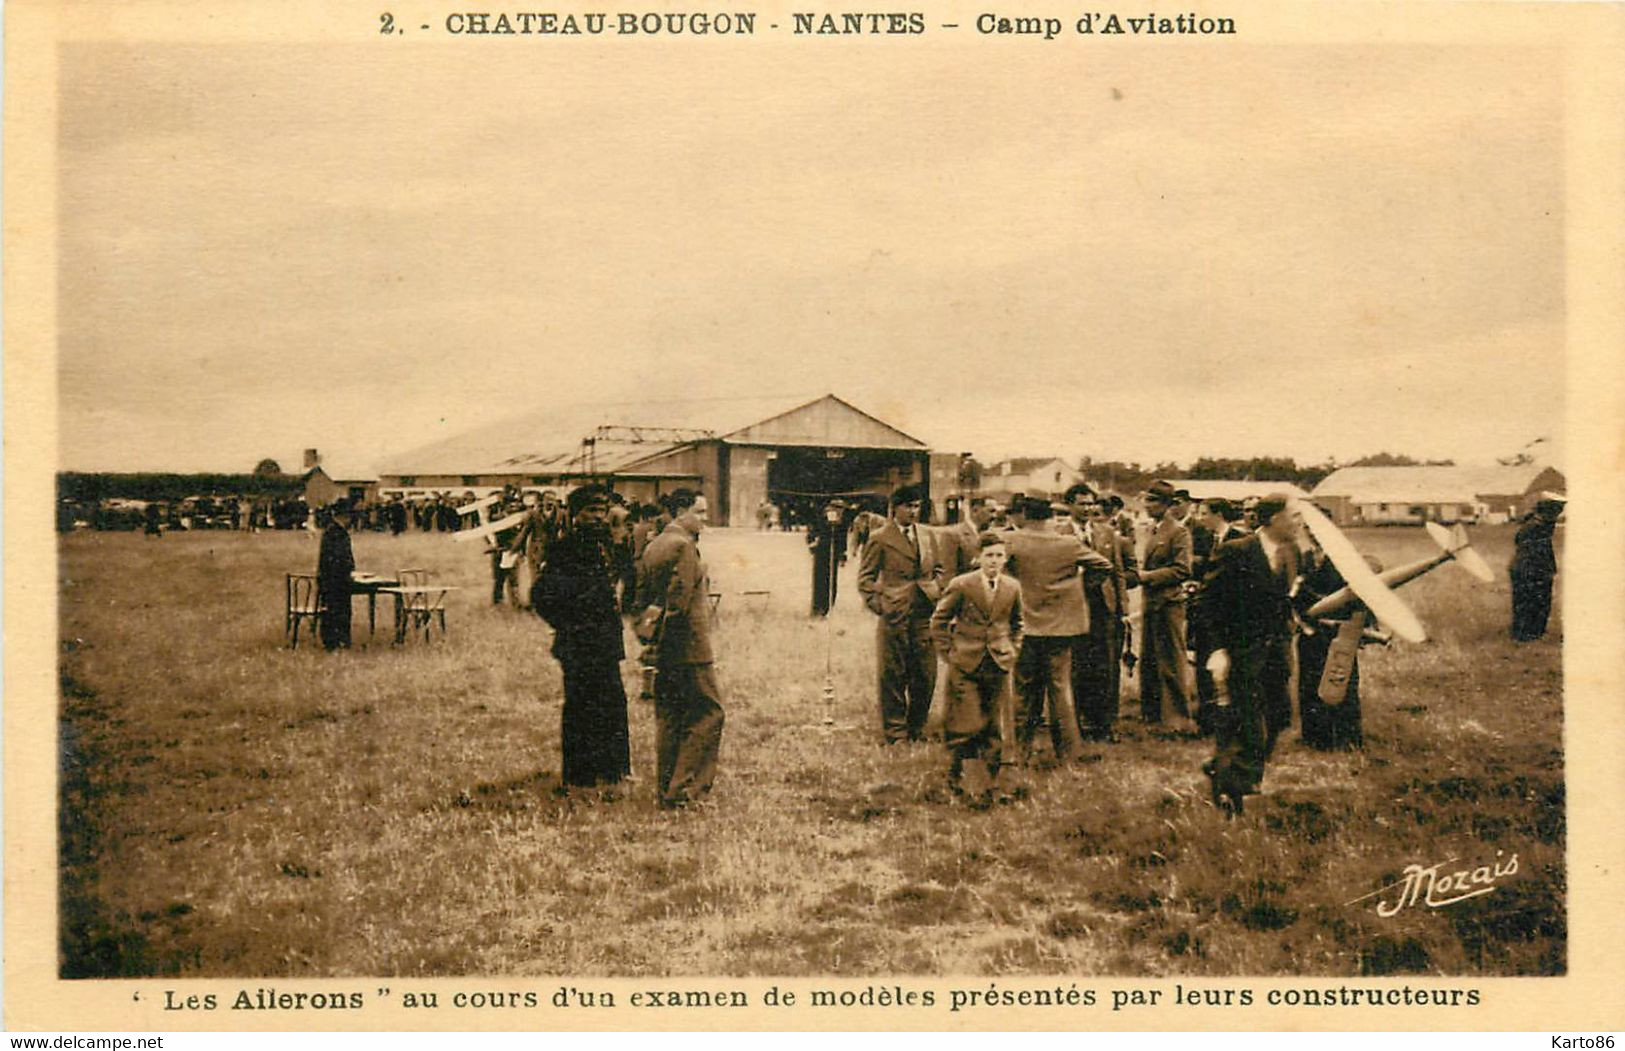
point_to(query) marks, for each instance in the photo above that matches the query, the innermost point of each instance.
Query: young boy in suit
(977, 630)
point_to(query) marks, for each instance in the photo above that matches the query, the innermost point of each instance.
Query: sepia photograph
(565, 513)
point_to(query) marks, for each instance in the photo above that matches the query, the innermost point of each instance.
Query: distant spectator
(334, 565)
(1534, 567)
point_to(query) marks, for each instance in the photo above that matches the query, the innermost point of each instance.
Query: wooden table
(413, 601)
(369, 584)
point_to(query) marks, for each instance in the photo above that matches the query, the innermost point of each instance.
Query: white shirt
(1271, 549)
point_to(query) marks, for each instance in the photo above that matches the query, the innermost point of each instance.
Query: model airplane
(1373, 591)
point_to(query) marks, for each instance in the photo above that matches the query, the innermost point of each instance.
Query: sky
(1312, 251)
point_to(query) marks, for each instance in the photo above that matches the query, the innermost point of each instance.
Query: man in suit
(1218, 521)
(1095, 655)
(1245, 608)
(901, 582)
(676, 620)
(1166, 565)
(963, 540)
(1051, 568)
(977, 629)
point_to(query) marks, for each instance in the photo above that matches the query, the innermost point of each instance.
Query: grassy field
(229, 807)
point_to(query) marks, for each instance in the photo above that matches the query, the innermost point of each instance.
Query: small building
(1047, 476)
(1412, 495)
(796, 453)
(320, 487)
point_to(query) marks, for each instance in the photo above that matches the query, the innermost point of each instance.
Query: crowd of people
(1026, 606)
(1023, 607)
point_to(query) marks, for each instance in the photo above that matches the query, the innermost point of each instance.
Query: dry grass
(233, 808)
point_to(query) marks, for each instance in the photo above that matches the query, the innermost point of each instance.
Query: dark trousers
(975, 715)
(1164, 667)
(688, 732)
(504, 582)
(1044, 673)
(1259, 710)
(908, 674)
(1202, 679)
(1326, 726)
(1531, 605)
(593, 732)
(1096, 680)
(335, 619)
(826, 581)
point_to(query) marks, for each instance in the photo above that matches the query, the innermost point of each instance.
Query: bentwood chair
(304, 602)
(421, 609)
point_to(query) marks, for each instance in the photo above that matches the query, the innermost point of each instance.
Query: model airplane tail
(1454, 542)
(1454, 546)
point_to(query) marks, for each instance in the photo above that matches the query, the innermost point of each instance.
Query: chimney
(312, 459)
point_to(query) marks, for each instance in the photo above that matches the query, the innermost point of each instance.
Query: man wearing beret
(1164, 668)
(575, 594)
(676, 620)
(901, 582)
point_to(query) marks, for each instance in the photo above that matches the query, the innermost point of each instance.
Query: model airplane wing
(1386, 606)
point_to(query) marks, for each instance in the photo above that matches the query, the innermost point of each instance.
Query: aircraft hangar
(794, 452)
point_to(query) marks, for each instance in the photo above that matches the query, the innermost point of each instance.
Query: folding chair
(304, 602)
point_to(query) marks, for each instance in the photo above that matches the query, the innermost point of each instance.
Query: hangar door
(802, 480)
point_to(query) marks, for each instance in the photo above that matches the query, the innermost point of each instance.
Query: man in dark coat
(334, 564)
(1218, 521)
(826, 539)
(676, 621)
(575, 594)
(1325, 725)
(1534, 567)
(1096, 680)
(901, 582)
(1245, 607)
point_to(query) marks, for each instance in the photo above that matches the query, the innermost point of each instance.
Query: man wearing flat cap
(901, 582)
(1534, 567)
(1164, 668)
(575, 594)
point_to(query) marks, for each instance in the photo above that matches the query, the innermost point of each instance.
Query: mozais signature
(1437, 885)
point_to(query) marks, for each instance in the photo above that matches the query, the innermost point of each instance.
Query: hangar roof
(622, 434)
